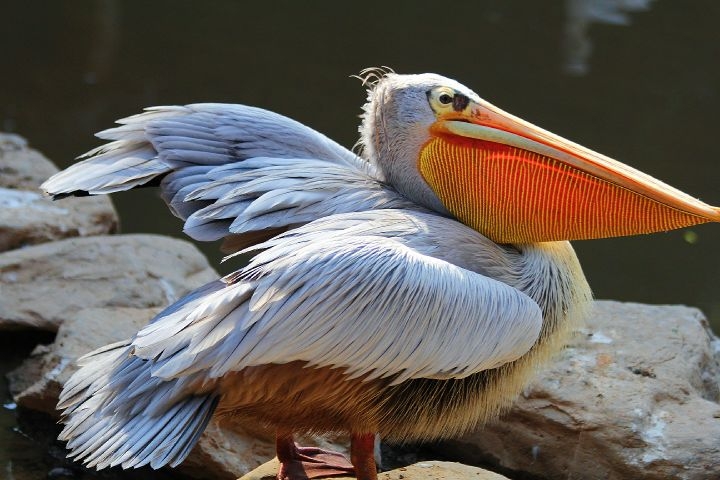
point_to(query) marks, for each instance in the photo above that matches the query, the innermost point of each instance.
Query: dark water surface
(637, 80)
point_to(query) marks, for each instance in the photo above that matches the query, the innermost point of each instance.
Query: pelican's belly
(294, 397)
(427, 409)
(322, 400)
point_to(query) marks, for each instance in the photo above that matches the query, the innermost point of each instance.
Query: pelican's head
(441, 145)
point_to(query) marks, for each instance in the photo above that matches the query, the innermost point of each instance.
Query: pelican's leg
(300, 463)
(362, 456)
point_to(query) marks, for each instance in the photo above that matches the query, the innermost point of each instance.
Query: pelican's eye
(445, 99)
(442, 99)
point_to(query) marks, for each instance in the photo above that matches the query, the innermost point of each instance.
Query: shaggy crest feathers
(372, 75)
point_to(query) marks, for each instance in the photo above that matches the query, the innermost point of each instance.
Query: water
(636, 80)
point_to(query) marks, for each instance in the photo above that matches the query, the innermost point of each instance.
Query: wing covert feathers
(371, 295)
(316, 294)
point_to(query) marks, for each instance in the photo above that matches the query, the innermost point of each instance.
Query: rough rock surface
(27, 217)
(635, 396)
(43, 285)
(225, 452)
(419, 471)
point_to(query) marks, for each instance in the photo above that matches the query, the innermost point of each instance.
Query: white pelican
(410, 291)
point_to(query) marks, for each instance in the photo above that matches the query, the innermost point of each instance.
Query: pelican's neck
(551, 275)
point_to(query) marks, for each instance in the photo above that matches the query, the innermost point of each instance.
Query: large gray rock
(27, 217)
(43, 285)
(227, 451)
(635, 396)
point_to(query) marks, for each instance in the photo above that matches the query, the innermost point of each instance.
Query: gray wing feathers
(358, 291)
(268, 193)
(337, 298)
(228, 169)
(116, 167)
(116, 413)
(176, 186)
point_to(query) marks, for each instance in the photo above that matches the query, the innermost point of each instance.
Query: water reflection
(580, 15)
(106, 41)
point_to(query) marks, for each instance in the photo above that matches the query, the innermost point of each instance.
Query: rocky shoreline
(635, 395)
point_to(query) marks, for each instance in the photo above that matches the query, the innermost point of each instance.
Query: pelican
(410, 290)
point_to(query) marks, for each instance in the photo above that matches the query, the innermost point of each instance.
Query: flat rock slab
(420, 471)
(44, 285)
(635, 396)
(27, 217)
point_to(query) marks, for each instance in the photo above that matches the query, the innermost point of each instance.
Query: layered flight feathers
(370, 293)
(363, 295)
(229, 169)
(116, 413)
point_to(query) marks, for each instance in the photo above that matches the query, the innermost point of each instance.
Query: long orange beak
(517, 183)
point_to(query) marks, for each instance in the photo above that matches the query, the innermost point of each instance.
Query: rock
(225, 451)
(27, 217)
(435, 470)
(420, 471)
(635, 396)
(43, 285)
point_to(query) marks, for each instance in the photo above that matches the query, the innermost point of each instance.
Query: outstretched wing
(369, 292)
(229, 169)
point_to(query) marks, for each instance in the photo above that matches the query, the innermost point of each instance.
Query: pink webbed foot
(301, 463)
(304, 463)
